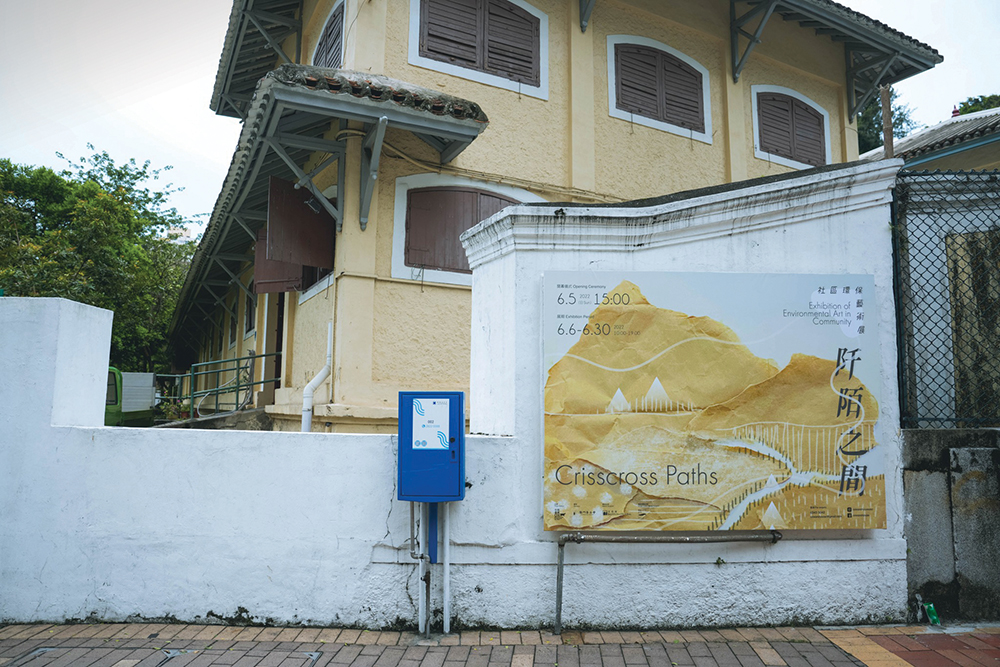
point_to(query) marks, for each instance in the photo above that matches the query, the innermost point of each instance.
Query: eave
(292, 110)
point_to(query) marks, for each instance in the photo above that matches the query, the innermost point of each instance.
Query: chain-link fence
(947, 239)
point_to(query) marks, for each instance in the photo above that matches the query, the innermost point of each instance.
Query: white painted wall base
(119, 523)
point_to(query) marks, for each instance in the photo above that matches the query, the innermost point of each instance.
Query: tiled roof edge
(872, 24)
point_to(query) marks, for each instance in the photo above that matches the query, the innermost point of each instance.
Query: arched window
(789, 128)
(437, 217)
(651, 84)
(330, 48)
(501, 43)
(430, 213)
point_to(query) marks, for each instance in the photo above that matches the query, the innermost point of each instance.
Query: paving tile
(724, 655)
(489, 638)
(9, 631)
(348, 636)
(592, 638)
(367, 637)
(766, 653)
(590, 654)
(771, 634)
(634, 655)
(704, 661)
(969, 640)
(712, 636)
(469, 638)
(927, 659)
(509, 638)
(549, 638)
(531, 637)
(792, 634)
(960, 658)
(347, 654)
(813, 636)
(328, 635)
(671, 637)
(390, 657)
(545, 654)
(751, 634)
(987, 657)
(890, 643)
(631, 637)
(433, 659)
(749, 660)
(568, 656)
(478, 657)
(522, 660)
(679, 655)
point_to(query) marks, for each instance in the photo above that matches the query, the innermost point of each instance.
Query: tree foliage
(96, 233)
(870, 122)
(981, 103)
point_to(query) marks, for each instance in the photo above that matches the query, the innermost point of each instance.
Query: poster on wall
(711, 401)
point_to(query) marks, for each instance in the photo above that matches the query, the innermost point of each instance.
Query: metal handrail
(243, 369)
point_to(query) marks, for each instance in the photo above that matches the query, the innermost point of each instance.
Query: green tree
(981, 103)
(96, 233)
(870, 122)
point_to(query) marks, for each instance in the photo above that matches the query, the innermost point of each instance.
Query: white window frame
(249, 332)
(706, 96)
(431, 180)
(343, 34)
(778, 159)
(541, 91)
(317, 287)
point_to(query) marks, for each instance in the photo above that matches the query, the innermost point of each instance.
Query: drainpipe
(307, 393)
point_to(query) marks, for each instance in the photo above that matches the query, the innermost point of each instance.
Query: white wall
(836, 221)
(120, 523)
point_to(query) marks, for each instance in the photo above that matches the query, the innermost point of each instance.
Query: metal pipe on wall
(446, 576)
(307, 393)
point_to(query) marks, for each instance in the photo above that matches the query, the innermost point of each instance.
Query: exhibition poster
(711, 401)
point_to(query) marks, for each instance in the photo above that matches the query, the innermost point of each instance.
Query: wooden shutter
(437, 217)
(809, 137)
(270, 275)
(683, 103)
(659, 85)
(636, 80)
(450, 31)
(330, 49)
(512, 42)
(791, 128)
(295, 232)
(774, 123)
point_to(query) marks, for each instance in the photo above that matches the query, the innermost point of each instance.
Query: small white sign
(430, 423)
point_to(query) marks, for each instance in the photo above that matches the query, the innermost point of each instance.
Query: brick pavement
(176, 645)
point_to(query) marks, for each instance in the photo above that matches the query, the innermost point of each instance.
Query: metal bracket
(306, 180)
(856, 67)
(586, 8)
(220, 300)
(736, 31)
(236, 279)
(371, 151)
(243, 225)
(255, 18)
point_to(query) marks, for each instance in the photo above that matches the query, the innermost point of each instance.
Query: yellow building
(376, 131)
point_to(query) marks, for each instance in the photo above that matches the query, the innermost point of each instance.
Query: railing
(239, 386)
(947, 257)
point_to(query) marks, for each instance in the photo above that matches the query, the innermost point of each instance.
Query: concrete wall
(847, 575)
(952, 482)
(117, 523)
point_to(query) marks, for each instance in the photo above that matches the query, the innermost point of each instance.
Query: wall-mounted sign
(711, 401)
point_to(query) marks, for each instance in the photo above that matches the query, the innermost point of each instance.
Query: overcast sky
(134, 77)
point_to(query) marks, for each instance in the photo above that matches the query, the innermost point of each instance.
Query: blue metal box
(431, 460)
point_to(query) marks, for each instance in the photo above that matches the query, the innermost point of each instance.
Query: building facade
(375, 132)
